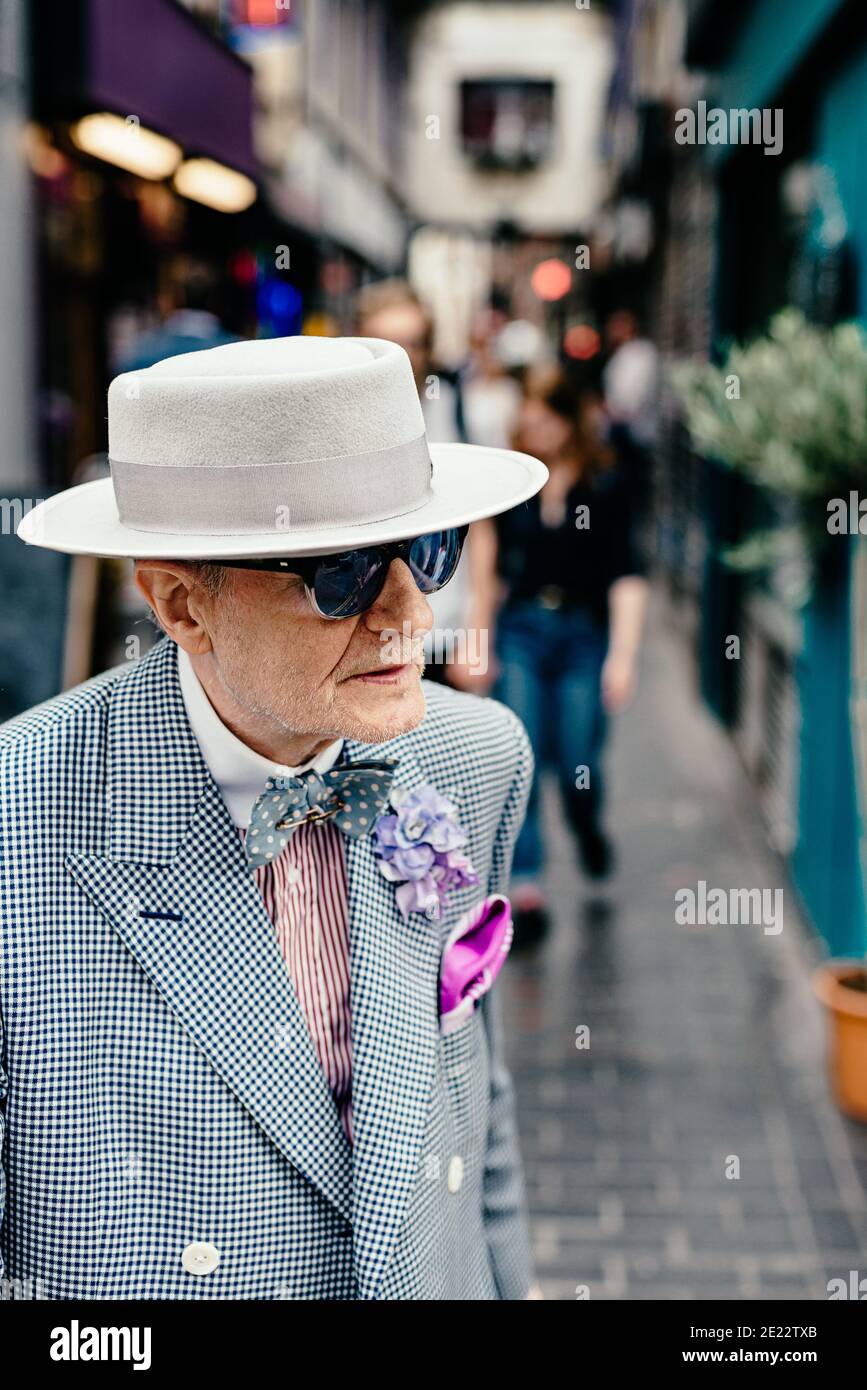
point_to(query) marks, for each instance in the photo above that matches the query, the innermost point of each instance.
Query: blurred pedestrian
(572, 599)
(391, 309)
(492, 397)
(191, 323)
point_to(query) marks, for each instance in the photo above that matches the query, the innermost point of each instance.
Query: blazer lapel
(176, 888)
(394, 967)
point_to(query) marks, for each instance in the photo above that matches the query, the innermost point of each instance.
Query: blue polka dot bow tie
(353, 795)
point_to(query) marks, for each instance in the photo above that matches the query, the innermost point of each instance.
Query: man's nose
(401, 601)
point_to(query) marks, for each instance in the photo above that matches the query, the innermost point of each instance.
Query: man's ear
(179, 606)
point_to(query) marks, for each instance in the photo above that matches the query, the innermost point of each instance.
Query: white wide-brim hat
(282, 446)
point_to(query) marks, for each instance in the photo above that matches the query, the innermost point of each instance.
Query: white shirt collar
(238, 770)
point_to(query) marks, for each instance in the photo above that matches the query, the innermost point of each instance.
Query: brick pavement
(706, 1045)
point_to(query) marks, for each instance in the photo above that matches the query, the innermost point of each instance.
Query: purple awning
(153, 60)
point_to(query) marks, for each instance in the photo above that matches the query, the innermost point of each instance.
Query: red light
(260, 13)
(244, 268)
(551, 279)
(581, 341)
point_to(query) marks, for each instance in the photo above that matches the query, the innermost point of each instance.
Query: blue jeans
(550, 666)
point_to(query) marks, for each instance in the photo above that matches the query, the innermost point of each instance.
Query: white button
(293, 875)
(200, 1258)
(456, 1173)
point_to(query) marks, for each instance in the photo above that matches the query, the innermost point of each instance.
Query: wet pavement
(692, 1150)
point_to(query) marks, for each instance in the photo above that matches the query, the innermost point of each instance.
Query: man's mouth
(387, 675)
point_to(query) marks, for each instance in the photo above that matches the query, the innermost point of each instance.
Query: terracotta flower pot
(836, 983)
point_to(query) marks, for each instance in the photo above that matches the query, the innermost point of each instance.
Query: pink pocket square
(473, 956)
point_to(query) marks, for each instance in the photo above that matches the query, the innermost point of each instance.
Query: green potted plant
(788, 411)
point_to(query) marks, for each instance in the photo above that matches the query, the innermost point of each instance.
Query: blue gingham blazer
(160, 1086)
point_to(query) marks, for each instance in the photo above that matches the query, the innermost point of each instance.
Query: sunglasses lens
(345, 585)
(433, 559)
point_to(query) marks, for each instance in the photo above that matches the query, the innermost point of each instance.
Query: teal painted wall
(841, 142)
(771, 40)
(827, 864)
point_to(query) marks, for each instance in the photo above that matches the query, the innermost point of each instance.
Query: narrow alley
(704, 1044)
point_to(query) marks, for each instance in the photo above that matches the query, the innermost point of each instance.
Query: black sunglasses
(349, 582)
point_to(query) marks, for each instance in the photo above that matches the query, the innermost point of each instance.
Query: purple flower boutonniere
(420, 847)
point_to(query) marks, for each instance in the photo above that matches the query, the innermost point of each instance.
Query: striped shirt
(305, 895)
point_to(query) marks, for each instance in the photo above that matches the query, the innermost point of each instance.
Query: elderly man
(252, 899)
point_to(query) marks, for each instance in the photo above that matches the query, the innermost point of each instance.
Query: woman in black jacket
(571, 594)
